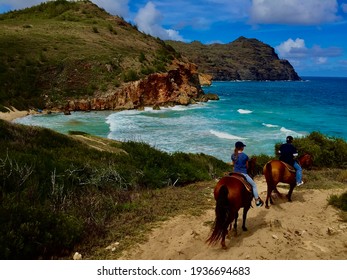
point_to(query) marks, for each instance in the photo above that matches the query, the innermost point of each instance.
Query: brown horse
(230, 194)
(276, 171)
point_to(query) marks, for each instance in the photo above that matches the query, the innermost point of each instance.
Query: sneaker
(259, 202)
(299, 184)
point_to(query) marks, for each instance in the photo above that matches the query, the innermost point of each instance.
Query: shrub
(326, 151)
(339, 201)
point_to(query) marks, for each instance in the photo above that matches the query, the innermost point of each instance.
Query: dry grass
(145, 211)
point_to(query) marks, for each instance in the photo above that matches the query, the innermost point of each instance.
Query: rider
(288, 153)
(240, 160)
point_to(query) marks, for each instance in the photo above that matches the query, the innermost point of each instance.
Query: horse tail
(222, 216)
(268, 174)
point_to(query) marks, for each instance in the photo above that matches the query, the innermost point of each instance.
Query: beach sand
(14, 114)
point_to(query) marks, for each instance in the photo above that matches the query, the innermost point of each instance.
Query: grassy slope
(59, 49)
(59, 191)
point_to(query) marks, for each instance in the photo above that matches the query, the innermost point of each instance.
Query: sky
(310, 34)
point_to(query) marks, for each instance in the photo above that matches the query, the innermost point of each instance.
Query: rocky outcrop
(179, 86)
(242, 59)
(205, 79)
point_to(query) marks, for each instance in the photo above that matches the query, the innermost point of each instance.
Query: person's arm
(295, 152)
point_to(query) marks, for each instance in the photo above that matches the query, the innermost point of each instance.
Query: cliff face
(179, 86)
(242, 59)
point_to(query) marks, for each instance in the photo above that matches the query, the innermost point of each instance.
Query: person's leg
(254, 186)
(298, 173)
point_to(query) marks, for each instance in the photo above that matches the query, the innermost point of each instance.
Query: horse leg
(277, 191)
(245, 210)
(235, 223)
(223, 239)
(289, 195)
(225, 231)
(268, 196)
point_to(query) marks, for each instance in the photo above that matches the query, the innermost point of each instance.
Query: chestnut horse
(230, 194)
(276, 171)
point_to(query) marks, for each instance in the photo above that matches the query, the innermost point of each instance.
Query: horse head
(251, 169)
(306, 161)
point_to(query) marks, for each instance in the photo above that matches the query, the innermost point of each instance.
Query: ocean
(260, 114)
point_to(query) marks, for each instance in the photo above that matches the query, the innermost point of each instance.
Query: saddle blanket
(243, 179)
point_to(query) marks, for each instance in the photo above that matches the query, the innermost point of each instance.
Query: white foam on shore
(243, 111)
(225, 135)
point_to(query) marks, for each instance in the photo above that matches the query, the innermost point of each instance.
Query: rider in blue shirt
(240, 161)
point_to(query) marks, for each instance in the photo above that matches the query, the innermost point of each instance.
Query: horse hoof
(244, 229)
(267, 207)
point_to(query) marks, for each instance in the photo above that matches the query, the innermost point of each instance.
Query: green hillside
(59, 192)
(64, 49)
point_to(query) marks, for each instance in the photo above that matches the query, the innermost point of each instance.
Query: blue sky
(311, 34)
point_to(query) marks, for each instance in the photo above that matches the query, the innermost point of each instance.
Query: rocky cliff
(179, 86)
(242, 59)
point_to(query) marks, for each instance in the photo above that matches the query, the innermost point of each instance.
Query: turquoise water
(258, 113)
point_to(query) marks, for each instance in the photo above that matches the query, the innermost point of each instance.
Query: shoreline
(14, 114)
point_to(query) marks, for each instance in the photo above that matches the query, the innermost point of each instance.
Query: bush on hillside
(339, 201)
(326, 151)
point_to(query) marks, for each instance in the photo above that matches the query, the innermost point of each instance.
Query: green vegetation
(62, 49)
(57, 192)
(62, 193)
(327, 152)
(339, 201)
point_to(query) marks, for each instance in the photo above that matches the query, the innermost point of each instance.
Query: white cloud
(308, 12)
(148, 20)
(300, 56)
(292, 49)
(321, 60)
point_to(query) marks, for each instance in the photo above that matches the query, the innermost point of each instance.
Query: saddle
(243, 179)
(289, 167)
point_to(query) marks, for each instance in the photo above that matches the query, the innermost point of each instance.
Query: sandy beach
(14, 114)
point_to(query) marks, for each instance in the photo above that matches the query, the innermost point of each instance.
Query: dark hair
(289, 139)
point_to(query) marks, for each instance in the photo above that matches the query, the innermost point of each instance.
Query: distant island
(242, 59)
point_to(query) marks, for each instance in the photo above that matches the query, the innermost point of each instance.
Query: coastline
(15, 114)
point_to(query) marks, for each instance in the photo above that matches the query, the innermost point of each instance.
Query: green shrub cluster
(326, 151)
(56, 192)
(339, 201)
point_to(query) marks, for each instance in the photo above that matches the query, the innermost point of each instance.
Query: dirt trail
(305, 229)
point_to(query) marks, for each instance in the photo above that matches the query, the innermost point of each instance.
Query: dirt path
(305, 229)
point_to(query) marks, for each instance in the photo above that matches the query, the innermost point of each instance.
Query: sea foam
(243, 111)
(225, 135)
(269, 125)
